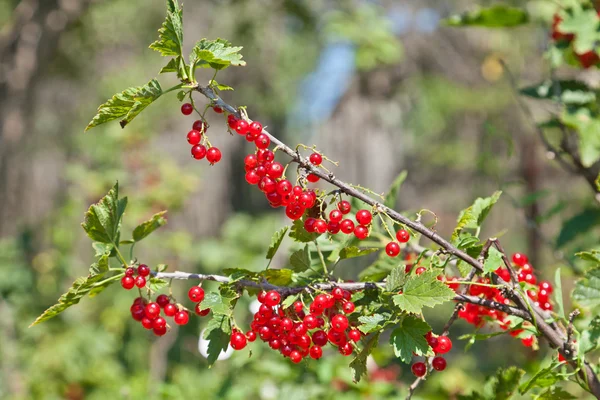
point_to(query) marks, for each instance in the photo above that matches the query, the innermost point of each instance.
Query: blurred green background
(381, 86)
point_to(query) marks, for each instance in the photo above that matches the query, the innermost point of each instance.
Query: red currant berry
(339, 323)
(242, 127)
(159, 323)
(181, 318)
(170, 309)
(213, 155)
(439, 363)
(284, 187)
(143, 270)
(162, 300)
(309, 225)
(420, 270)
(392, 249)
(273, 298)
(140, 282)
(160, 332)
(528, 341)
(354, 335)
(320, 226)
(316, 159)
(252, 177)
(251, 336)
(251, 161)
(320, 338)
(310, 321)
(344, 206)
(152, 310)
(262, 141)
(295, 356)
(275, 170)
(200, 311)
(316, 352)
(198, 152)
(347, 226)
(419, 369)
(348, 307)
(196, 294)
(444, 345)
(238, 341)
(267, 185)
(312, 178)
(128, 282)
(129, 271)
(187, 109)
(547, 286)
(520, 259)
(199, 126)
(337, 293)
(333, 227)
(256, 128)
(217, 109)
(336, 216)
(361, 232)
(138, 312)
(261, 297)
(364, 217)
(403, 236)
(147, 323)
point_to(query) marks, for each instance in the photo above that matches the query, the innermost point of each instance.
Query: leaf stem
(321, 258)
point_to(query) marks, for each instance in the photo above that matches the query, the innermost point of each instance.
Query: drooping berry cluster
(587, 59)
(297, 334)
(135, 277)
(148, 313)
(478, 315)
(197, 138)
(440, 345)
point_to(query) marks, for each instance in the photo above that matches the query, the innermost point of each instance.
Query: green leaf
(276, 242)
(500, 386)
(583, 23)
(409, 338)
(127, 104)
(170, 42)
(278, 277)
(493, 260)
(288, 301)
(218, 333)
(592, 255)
(300, 260)
(542, 374)
(102, 221)
(555, 393)
(216, 85)
(177, 65)
(359, 363)
(587, 290)
(147, 227)
(392, 195)
(558, 295)
(80, 288)
(161, 267)
(474, 216)
(499, 16)
(299, 234)
(156, 284)
(372, 323)
(423, 290)
(579, 224)
(590, 336)
(218, 303)
(597, 182)
(379, 269)
(237, 274)
(217, 54)
(395, 279)
(353, 251)
(570, 92)
(587, 126)
(473, 337)
(102, 248)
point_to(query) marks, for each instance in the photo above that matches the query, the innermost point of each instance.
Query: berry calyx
(187, 108)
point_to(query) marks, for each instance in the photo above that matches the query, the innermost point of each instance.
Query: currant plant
(306, 312)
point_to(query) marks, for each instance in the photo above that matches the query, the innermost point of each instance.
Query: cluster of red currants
(130, 279)
(337, 223)
(296, 334)
(440, 345)
(148, 313)
(477, 315)
(194, 137)
(587, 59)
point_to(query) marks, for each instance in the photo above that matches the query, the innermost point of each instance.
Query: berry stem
(322, 259)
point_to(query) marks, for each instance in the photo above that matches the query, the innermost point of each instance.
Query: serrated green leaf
(156, 284)
(170, 41)
(409, 338)
(102, 248)
(423, 290)
(555, 393)
(542, 373)
(239, 273)
(372, 323)
(127, 104)
(498, 16)
(299, 234)
(181, 95)
(288, 301)
(278, 277)
(300, 260)
(149, 226)
(219, 86)
(217, 54)
(590, 336)
(392, 195)
(493, 260)
(474, 216)
(161, 267)
(587, 126)
(102, 221)
(564, 91)
(80, 288)
(500, 386)
(587, 290)
(218, 333)
(359, 363)
(395, 279)
(218, 303)
(353, 251)
(276, 242)
(583, 23)
(579, 224)
(177, 65)
(592, 255)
